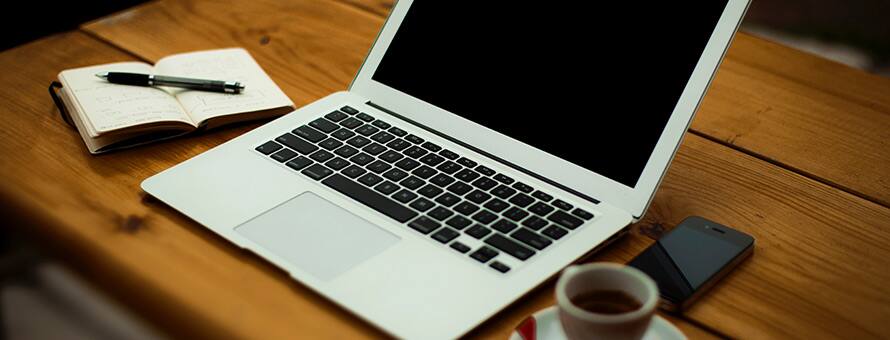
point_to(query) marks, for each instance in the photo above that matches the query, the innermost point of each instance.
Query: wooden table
(788, 147)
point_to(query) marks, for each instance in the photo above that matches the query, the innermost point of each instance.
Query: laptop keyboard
(432, 190)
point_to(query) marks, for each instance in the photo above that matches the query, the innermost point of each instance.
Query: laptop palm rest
(317, 236)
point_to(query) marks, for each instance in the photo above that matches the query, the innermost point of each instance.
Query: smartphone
(691, 258)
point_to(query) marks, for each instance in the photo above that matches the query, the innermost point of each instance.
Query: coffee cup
(605, 301)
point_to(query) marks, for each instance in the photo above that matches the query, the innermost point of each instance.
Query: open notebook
(111, 116)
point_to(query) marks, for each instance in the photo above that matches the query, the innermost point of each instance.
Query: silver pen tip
(103, 75)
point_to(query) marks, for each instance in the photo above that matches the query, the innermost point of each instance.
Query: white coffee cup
(579, 323)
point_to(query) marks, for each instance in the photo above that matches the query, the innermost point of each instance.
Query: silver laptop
(479, 150)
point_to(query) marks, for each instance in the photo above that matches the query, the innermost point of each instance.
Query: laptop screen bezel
(632, 199)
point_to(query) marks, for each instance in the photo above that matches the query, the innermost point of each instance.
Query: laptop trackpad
(317, 236)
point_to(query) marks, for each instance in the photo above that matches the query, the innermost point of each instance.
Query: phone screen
(685, 259)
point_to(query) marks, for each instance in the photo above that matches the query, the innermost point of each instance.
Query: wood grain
(818, 269)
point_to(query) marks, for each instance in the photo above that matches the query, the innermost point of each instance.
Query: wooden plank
(790, 288)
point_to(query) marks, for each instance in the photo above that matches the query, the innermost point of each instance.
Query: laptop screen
(593, 84)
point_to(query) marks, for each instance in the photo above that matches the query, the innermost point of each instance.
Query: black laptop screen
(592, 84)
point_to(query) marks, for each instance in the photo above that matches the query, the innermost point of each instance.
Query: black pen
(139, 79)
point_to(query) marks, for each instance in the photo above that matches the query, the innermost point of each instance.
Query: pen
(139, 79)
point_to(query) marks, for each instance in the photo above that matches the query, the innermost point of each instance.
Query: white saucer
(545, 325)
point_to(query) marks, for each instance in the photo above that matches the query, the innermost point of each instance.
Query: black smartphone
(691, 258)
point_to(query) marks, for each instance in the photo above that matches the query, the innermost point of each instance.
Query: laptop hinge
(486, 154)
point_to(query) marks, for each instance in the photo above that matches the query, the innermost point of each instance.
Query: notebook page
(233, 64)
(108, 107)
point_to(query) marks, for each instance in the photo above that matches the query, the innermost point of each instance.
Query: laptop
(480, 149)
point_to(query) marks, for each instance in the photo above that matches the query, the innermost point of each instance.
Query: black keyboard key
(534, 222)
(407, 164)
(523, 187)
(346, 151)
(424, 225)
(448, 167)
(466, 175)
(404, 196)
(422, 204)
(362, 159)
(415, 151)
(562, 205)
(485, 183)
(374, 149)
(268, 147)
(448, 154)
(330, 144)
(381, 124)
(503, 179)
(521, 200)
(497, 205)
(378, 166)
(504, 226)
(398, 132)
(509, 246)
(391, 156)
(466, 208)
(367, 130)
(317, 171)
(364, 116)
(354, 171)
(484, 170)
(349, 110)
(424, 172)
(484, 254)
(284, 155)
(351, 123)
(440, 213)
(515, 214)
(324, 125)
(478, 196)
(466, 162)
(459, 222)
(503, 191)
(564, 219)
(432, 159)
(582, 213)
(503, 268)
(484, 217)
(442, 180)
(542, 196)
(432, 147)
(445, 235)
(321, 156)
(398, 144)
(430, 191)
(447, 199)
(336, 116)
(309, 134)
(541, 208)
(387, 187)
(554, 232)
(395, 175)
(412, 183)
(414, 139)
(383, 137)
(343, 134)
(358, 141)
(531, 238)
(478, 231)
(299, 163)
(370, 179)
(337, 163)
(460, 247)
(460, 188)
(296, 143)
